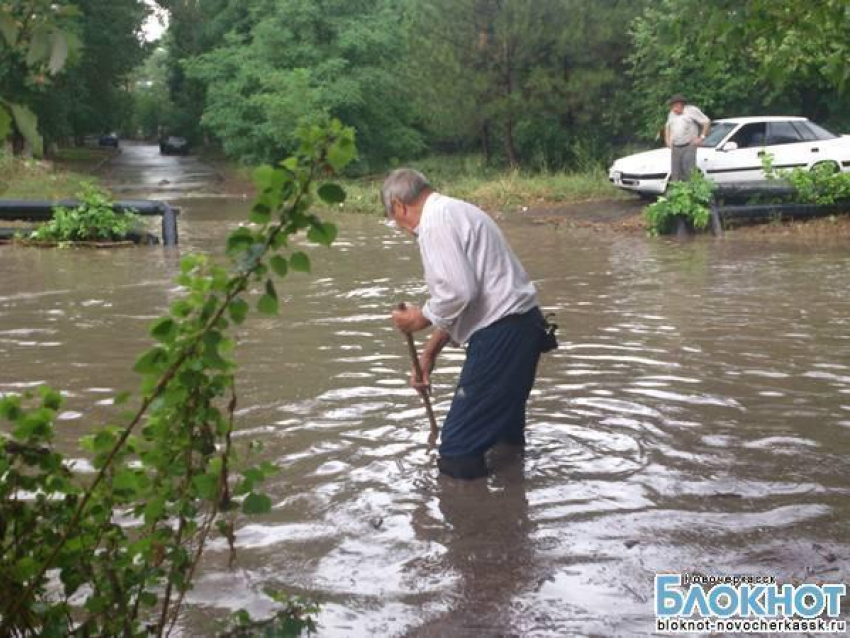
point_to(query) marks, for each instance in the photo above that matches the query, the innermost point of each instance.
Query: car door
(739, 158)
(788, 147)
(826, 147)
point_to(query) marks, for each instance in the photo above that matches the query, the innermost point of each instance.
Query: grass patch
(493, 189)
(30, 179)
(83, 155)
(466, 177)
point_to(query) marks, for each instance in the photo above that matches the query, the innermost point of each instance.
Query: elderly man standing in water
(480, 296)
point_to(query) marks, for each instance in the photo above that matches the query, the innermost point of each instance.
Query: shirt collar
(429, 204)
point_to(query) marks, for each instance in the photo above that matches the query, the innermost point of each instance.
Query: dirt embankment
(624, 215)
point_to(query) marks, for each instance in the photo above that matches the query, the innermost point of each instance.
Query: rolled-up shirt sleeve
(698, 116)
(449, 275)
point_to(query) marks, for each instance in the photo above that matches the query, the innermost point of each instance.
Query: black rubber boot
(463, 467)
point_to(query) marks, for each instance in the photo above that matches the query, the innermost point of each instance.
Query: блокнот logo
(746, 604)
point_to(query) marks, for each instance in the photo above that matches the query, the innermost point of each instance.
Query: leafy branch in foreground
(115, 553)
(688, 200)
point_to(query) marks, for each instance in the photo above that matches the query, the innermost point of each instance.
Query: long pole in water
(417, 370)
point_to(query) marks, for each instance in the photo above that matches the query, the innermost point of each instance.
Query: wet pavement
(141, 171)
(695, 418)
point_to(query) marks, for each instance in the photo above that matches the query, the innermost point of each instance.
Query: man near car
(686, 128)
(481, 296)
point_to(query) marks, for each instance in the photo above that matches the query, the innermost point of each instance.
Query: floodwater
(695, 418)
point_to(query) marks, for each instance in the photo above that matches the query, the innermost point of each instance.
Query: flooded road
(695, 418)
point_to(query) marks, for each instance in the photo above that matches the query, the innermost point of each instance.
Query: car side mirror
(729, 146)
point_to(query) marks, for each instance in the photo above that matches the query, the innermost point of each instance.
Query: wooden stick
(417, 370)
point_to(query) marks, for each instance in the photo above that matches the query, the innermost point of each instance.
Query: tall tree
(304, 61)
(102, 42)
(93, 95)
(536, 76)
(739, 58)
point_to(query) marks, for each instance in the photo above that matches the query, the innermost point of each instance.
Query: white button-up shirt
(473, 276)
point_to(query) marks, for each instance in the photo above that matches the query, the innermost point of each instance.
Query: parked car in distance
(174, 145)
(110, 139)
(733, 151)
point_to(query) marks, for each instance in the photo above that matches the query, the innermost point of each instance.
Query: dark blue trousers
(497, 377)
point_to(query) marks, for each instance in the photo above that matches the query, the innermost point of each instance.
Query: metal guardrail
(724, 211)
(42, 210)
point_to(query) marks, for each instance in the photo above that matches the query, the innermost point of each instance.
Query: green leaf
(9, 29)
(151, 361)
(322, 233)
(126, 480)
(50, 398)
(34, 424)
(164, 329)
(58, 52)
(212, 357)
(300, 262)
(149, 599)
(268, 303)
(207, 485)
(27, 124)
(26, 568)
(154, 509)
(279, 265)
(331, 193)
(5, 122)
(240, 239)
(269, 178)
(39, 47)
(10, 407)
(256, 504)
(254, 474)
(341, 153)
(102, 441)
(238, 310)
(260, 214)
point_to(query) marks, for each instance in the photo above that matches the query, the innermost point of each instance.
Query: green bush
(822, 185)
(92, 220)
(688, 200)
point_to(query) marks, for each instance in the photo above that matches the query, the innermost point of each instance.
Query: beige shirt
(473, 276)
(683, 128)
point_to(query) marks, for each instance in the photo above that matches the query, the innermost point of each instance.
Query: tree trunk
(17, 143)
(485, 143)
(510, 146)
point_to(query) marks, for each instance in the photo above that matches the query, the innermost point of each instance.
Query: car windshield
(718, 131)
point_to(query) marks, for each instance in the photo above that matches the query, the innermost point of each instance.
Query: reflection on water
(696, 417)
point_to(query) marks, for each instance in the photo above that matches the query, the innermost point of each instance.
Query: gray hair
(404, 185)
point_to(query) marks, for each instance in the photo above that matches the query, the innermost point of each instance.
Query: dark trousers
(683, 161)
(497, 377)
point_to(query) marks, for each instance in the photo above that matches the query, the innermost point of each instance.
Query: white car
(733, 150)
